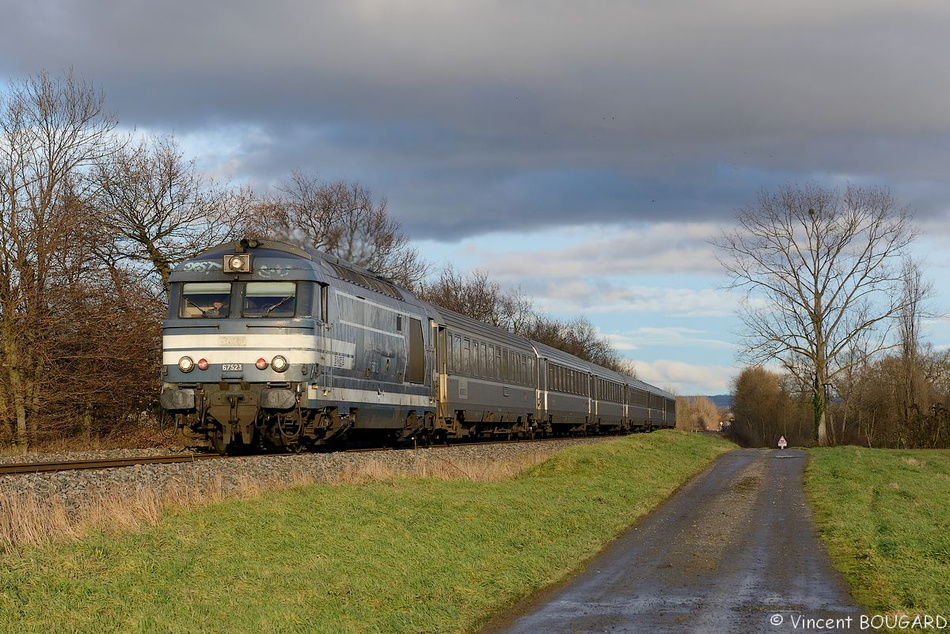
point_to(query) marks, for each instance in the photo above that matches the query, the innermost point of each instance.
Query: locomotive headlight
(279, 363)
(237, 263)
(185, 364)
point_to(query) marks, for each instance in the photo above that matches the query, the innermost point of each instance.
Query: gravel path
(734, 551)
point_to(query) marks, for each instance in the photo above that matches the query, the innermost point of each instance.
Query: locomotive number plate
(232, 367)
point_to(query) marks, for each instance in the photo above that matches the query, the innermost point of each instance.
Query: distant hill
(720, 400)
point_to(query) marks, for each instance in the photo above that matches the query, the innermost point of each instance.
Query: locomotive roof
(268, 256)
(280, 259)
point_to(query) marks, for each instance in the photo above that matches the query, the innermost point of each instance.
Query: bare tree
(52, 129)
(160, 209)
(475, 296)
(343, 219)
(821, 269)
(578, 337)
(878, 406)
(915, 293)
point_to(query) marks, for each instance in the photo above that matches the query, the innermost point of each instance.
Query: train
(271, 345)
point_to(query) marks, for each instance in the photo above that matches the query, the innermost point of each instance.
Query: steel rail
(455, 443)
(14, 468)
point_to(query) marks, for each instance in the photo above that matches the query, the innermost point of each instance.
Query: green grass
(885, 517)
(407, 555)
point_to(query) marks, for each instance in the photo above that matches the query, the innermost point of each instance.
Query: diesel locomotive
(267, 344)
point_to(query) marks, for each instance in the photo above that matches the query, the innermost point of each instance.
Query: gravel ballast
(77, 494)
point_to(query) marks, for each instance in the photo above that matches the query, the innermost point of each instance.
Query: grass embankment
(405, 555)
(885, 517)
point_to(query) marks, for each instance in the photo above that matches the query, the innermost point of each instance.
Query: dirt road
(733, 551)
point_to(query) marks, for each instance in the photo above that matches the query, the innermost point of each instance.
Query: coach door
(416, 372)
(440, 383)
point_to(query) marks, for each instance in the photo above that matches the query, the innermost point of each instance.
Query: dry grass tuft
(439, 468)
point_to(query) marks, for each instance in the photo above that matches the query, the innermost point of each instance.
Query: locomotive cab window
(270, 299)
(205, 300)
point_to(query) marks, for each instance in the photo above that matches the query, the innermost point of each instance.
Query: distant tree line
(92, 222)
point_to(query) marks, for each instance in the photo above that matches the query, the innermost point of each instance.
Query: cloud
(685, 378)
(578, 296)
(669, 337)
(616, 251)
(475, 117)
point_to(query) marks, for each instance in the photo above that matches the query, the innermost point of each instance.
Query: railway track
(103, 463)
(20, 468)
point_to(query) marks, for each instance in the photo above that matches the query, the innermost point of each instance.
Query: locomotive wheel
(217, 442)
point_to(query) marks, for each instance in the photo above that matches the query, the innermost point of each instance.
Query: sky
(586, 152)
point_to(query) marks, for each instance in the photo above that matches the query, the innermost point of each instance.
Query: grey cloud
(483, 116)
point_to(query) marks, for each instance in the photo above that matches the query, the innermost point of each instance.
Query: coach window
(467, 356)
(457, 354)
(205, 300)
(270, 299)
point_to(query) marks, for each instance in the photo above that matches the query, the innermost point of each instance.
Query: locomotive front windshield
(212, 300)
(269, 299)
